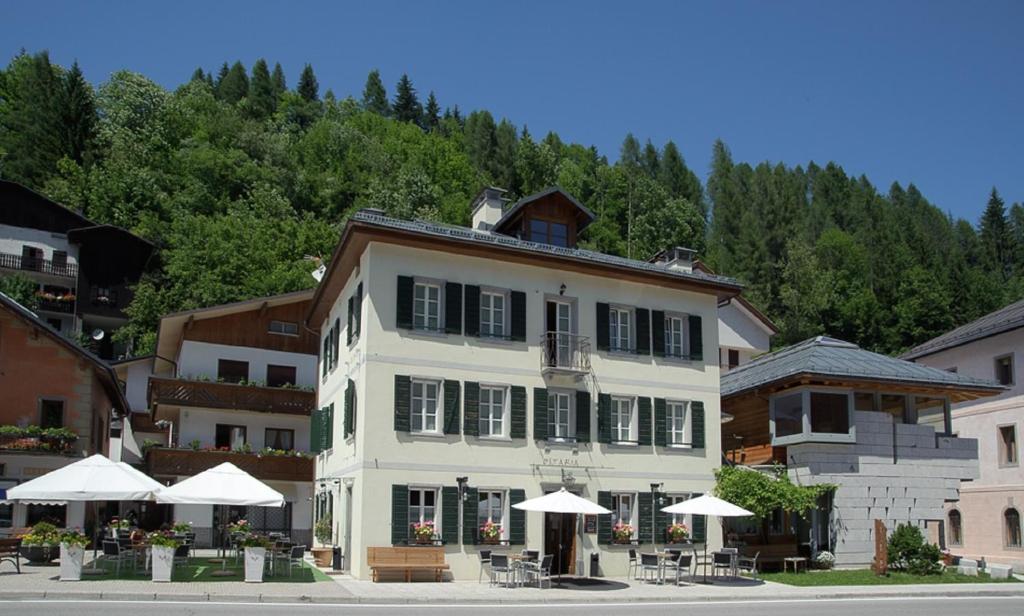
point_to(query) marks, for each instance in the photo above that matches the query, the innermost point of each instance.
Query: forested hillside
(238, 178)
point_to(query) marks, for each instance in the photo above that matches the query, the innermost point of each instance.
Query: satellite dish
(98, 334)
(318, 273)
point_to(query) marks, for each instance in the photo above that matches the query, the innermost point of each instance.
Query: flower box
(254, 563)
(71, 559)
(162, 562)
(40, 554)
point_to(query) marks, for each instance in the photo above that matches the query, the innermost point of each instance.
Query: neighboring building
(744, 332)
(466, 369)
(987, 520)
(231, 383)
(877, 427)
(84, 270)
(59, 401)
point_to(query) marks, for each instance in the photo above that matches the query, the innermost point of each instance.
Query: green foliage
(909, 552)
(323, 530)
(309, 87)
(73, 537)
(163, 539)
(43, 533)
(375, 98)
(406, 106)
(21, 289)
(762, 493)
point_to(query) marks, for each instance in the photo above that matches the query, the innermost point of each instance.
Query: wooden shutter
(325, 354)
(348, 330)
(336, 343)
(327, 436)
(645, 513)
(471, 419)
(540, 413)
(697, 424)
(517, 315)
(452, 308)
(643, 331)
(603, 335)
(359, 309)
(470, 535)
(403, 302)
(699, 532)
(643, 421)
(658, 333)
(350, 411)
(314, 431)
(660, 423)
(472, 310)
(451, 407)
(516, 518)
(450, 514)
(696, 338)
(604, 418)
(583, 412)
(604, 522)
(517, 406)
(399, 514)
(403, 395)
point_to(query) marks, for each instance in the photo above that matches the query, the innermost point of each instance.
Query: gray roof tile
(1002, 320)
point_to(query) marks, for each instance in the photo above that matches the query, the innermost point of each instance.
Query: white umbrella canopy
(561, 501)
(95, 478)
(707, 505)
(225, 484)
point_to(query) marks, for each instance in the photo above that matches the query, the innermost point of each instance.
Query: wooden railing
(187, 462)
(32, 264)
(204, 394)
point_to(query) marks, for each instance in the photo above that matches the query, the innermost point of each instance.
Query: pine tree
(198, 75)
(375, 98)
(308, 87)
(222, 74)
(406, 107)
(678, 179)
(30, 120)
(502, 167)
(280, 86)
(480, 140)
(431, 113)
(78, 115)
(235, 85)
(262, 99)
(996, 237)
(649, 160)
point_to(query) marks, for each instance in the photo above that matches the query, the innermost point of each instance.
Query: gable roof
(829, 357)
(1003, 320)
(586, 215)
(753, 310)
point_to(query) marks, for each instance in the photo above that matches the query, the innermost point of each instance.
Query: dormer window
(547, 232)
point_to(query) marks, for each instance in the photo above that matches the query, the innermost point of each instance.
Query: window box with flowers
(622, 533)
(677, 532)
(490, 533)
(72, 554)
(424, 532)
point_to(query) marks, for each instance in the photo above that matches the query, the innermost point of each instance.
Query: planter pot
(40, 554)
(162, 562)
(322, 556)
(488, 541)
(71, 559)
(424, 540)
(254, 559)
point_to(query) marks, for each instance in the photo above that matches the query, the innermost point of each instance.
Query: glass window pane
(788, 415)
(830, 413)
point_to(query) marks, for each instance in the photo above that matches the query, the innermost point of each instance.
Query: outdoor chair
(721, 560)
(485, 562)
(113, 552)
(531, 555)
(295, 554)
(500, 566)
(683, 565)
(634, 564)
(746, 563)
(181, 555)
(650, 563)
(190, 538)
(540, 571)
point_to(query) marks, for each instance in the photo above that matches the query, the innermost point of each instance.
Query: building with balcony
(986, 521)
(230, 383)
(83, 270)
(466, 369)
(876, 427)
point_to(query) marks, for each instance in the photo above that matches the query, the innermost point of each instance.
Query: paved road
(989, 606)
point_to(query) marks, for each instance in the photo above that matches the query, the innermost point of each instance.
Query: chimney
(487, 208)
(677, 258)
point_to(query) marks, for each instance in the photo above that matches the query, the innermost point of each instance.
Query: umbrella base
(222, 573)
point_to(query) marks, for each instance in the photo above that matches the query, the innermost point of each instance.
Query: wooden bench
(406, 560)
(10, 550)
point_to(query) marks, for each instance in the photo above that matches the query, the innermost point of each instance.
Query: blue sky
(929, 92)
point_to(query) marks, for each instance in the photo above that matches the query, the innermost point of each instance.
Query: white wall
(13, 238)
(136, 381)
(202, 424)
(200, 359)
(738, 329)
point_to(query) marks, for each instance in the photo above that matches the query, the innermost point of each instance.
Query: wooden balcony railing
(187, 462)
(32, 264)
(181, 392)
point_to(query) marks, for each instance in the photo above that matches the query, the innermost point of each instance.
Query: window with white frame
(425, 406)
(624, 511)
(491, 508)
(492, 411)
(423, 507)
(674, 337)
(812, 416)
(679, 518)
(619, 328)
(622, 419)
(676, 415)
(559, 415)
(426, 306)
(492, 314)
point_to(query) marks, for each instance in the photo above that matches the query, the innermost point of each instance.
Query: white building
(466, 369)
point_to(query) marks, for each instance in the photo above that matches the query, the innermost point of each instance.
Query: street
(944, 606)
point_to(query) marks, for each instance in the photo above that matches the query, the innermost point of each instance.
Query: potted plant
(41, 545)
(255, 556)
(162, 544)
(677, 532)
(182, 527)
(323, 533)
(622, 533)
(423, 531)
(240, 526)
(72, 554)
(490, 533)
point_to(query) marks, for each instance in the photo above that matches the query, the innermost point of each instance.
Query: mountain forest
(243, 179)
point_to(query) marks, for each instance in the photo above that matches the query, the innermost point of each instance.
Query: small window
(60, 261)
(956, 528)
(51, 413)
(426, 307)
(423, 508)
(623, 510)
(232, 371)
(559, 415)
(777, 522)
(1007, 445)
(674, 337)
(229, 437)
(491, 510)
(789, 415)
(1011, 520)
(622, 420)
(425, 407)
(278, 438)
(676, 414)
(280, 376)
(734, 358)
(545, 232)
(619, 329)
(812, 416)
(1004, 369)
(492, 315)
(830, 413)
(492, 411)
(284, 328)
(6, 516)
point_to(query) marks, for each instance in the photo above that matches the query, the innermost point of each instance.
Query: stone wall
(910, 482)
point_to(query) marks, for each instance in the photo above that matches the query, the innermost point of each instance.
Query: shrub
(909, 552)
(74, 537)
(825, 560)
(322, 530)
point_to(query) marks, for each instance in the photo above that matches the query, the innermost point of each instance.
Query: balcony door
(560, 328)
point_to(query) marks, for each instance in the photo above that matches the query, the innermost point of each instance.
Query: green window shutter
(516, 518)
(604, 522)
(471, 420)
(517, 406)
(399, 514)
(450, 515)
(540, 413)
(403, 396)
(327, 427)
(325, 354)
(472, 310)
(583, 412)
(645, 513)
(470, 535)
(452, 308)
(314, 431)
(697, 424)
(350, 411)
(604, 418)
(660, 423)
(403, 302)
(643, 331)
(699, 532)
(451, 407)
(335, 343)
(603, 335)
(643, 420)
(658, 333)
(517, 315)
(359, 309)
(696, 338)
(661, 519)
(351, 314)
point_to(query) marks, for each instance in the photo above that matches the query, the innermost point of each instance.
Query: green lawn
(200, 570)
(866, 577)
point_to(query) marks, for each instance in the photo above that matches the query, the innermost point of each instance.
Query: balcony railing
(56, 305)
(187, 462)
(564, 353)
(33, 264)
(204, 394)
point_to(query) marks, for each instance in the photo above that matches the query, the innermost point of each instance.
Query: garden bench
(10, 550)
(406, 560)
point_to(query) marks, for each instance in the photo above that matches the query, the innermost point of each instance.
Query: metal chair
(531, 555)
(485, 561)
(190, 538)
(181, 555)
(113, 552)
(746, 563)
(721, 560)
(650, 563)
(633, 570)
(295, 558)
(500, 566)
(683, 564)
(541, 571)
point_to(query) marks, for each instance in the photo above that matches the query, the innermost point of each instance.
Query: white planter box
(162, 562)
(254, 559)
(71, 559)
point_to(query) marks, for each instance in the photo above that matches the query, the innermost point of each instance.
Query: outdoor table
(796, 561)
(143, 550)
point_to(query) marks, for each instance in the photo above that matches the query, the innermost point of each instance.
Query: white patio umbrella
(562, 501)
(707, 505)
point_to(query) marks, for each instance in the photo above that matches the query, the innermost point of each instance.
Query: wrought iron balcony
(565, 353)
(205, 394)
(181, 462)
(33, 264)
